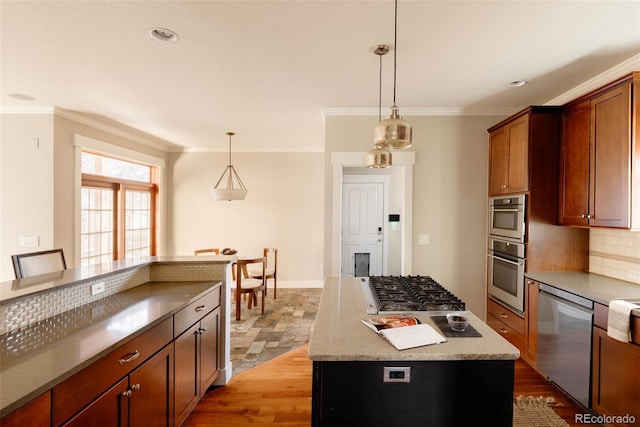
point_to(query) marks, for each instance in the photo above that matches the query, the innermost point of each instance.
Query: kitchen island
(465, 381)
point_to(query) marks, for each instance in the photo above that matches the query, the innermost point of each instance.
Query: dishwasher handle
(577, 306)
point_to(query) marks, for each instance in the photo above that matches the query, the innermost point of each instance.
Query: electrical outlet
(635, 275)
(98, 288)
(423, 239)
(29, 241)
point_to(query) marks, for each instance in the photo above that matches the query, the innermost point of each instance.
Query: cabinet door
(498, 161)
(209, 349)
(110, 409)
(611, 158)
(574, 165)
(615, 376)
(186, 373)
(518, 168)
(151, 400)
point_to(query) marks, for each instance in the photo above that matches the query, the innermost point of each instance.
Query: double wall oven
(506, 246)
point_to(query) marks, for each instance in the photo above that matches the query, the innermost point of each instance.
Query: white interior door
(362, 225)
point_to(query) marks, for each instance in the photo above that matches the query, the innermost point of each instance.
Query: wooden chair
(270, 271)
(210, 251)
(247, 285)
(34, 263)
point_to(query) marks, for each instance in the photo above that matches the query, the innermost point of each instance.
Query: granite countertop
(40, 356)
(339, 334)
(601, 289)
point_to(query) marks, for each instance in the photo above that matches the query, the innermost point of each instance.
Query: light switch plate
(423, 239)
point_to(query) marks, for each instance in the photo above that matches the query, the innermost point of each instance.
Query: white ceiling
(271, 70)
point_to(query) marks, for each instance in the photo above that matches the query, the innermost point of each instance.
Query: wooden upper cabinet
(598, 150)
(509, 157)
(574, 164)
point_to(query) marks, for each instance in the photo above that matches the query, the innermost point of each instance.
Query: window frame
(120, 187)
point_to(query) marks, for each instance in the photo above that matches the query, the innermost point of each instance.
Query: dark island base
(440, 393)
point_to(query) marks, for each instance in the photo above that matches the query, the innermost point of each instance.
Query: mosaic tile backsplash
(21, 314)
(615, 253)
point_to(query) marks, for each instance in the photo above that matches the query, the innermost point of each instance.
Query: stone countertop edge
(154, 302)
(14, 290)
(592, 286)
(339, 334)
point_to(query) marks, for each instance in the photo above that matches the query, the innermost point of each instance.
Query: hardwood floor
(278, 393)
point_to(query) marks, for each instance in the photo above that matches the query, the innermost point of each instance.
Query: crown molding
(630, 65)
(425, 111)
(27, 110)
(158, 144)
(248, 150)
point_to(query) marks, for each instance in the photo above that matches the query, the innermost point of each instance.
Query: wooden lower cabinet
(197, 364)
(36, 413)
(615, 390)
(507, 323)
(143, 398)
(531, 320)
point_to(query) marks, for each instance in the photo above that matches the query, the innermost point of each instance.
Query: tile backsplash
(615, 253)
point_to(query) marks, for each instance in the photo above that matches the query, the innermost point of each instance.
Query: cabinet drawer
(80, 389)
(195, 311)
(507, 332)
(506, 316)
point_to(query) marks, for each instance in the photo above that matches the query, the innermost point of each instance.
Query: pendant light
(394, 131)
(231, 191)
(379, 157)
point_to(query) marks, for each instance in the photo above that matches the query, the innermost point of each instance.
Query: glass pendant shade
(378, 158)
(235, 188)
(393, 132)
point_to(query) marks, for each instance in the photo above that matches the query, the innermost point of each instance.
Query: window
(118, 209)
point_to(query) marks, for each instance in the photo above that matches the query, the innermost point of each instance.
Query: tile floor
(286, 324)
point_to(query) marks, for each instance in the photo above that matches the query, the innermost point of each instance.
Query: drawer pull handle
(503, 331)
(131, 357)
(202, 330)
(135, 387)
(200, 308)
(504, 316)
(126, 393)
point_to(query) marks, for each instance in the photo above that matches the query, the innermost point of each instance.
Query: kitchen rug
(530, 411)
(443, 325)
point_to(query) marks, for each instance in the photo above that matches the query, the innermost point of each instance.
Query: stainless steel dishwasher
(564, 341)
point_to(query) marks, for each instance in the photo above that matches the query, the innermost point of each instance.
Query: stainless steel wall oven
(506, 266)
(507, 217)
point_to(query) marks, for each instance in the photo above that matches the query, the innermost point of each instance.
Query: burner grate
(412, 293)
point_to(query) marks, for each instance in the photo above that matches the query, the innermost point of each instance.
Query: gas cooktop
(402, 294)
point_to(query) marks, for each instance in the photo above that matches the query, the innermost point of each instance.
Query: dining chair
(34, 263)
(214, 251)
(270, 271)
(244, 284)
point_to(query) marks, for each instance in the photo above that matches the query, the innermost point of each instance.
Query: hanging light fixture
(231, 191)
(394, 131)
(379, 157)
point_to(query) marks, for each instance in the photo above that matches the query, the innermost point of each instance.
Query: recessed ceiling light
(21, 96)
(517, 83)
(163, 34)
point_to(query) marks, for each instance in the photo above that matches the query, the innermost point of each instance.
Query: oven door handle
(505, 210)
(505, 260)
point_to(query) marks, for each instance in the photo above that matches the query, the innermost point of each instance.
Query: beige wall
(26, 184)
(38, 185)
(282, 209)
(449, 200)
